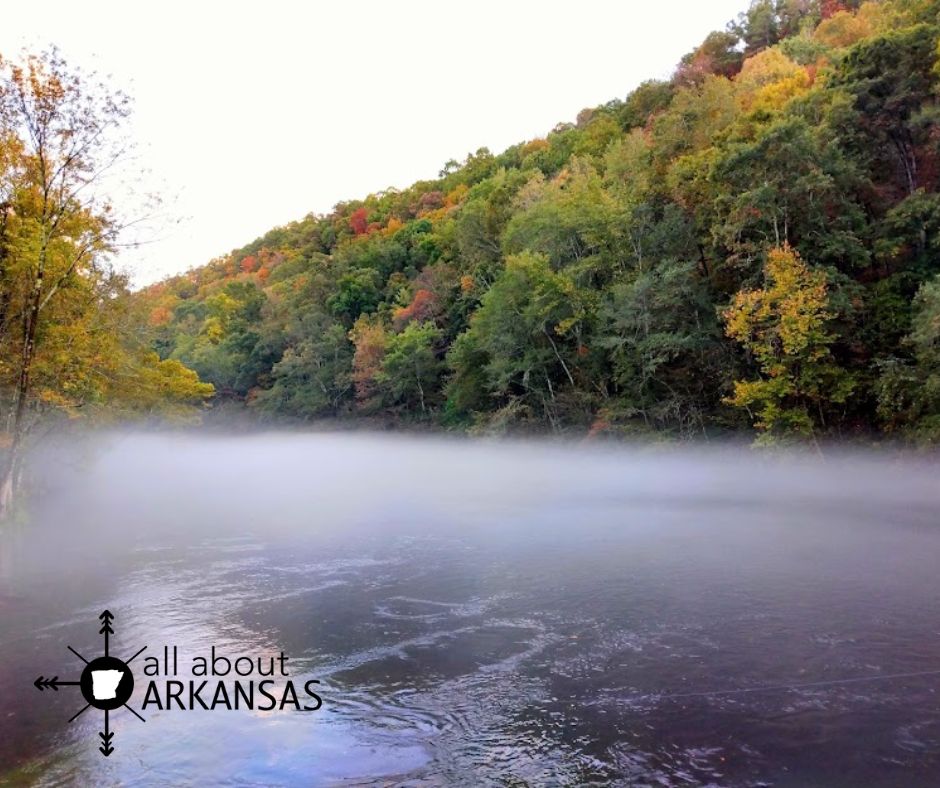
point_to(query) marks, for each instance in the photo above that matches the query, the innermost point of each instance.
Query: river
(481, 613)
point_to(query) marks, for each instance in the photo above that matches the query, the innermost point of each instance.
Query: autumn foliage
(358, 222)
(747, 246)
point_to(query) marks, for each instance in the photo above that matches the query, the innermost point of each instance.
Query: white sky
(250, 115)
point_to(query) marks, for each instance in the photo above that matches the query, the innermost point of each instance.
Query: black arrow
(107, 617)
(52, 683)
(106, 737)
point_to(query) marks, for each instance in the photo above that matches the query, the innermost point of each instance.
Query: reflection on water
(484, 614)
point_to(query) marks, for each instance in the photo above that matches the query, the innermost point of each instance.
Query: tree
(67, 341)
(693, 119)
(155, 387)
(660, 329)
(909, 393)
(758, 27)
(226, 347)
(784, 327)
(891, 80)
(371, 341)
(529, 328)
(313, 376)
(55, 228)
(356, 294)
(358, 221)
(718, 54)
(411, 370)
(483, 217)
(842, 29)
(785, 186)
(645, 101)
(570, 219)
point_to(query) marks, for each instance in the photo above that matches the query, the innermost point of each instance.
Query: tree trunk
(7, 487)
(8, 482)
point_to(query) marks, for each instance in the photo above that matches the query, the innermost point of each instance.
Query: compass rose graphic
(106, 683)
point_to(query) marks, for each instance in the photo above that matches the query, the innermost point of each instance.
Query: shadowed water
(483, 613)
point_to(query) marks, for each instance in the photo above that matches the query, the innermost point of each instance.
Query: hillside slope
(750, 245)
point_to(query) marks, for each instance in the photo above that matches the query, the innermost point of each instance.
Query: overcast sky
(249, 116)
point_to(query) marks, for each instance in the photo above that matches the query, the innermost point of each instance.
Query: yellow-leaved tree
(69, 340)
(784, 327)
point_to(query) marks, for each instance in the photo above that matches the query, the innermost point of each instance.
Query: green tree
(411, 370)
(786, 186)
(314, 375)
(226, 348)
(645, 101)
(530, 329)
(569, 219)
(891, 79)
(660, 329)
(356, 294)
(909, 391)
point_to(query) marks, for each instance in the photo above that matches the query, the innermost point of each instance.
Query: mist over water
(483, 613)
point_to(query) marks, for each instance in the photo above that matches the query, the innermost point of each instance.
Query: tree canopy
(751, 245)
(70, 339)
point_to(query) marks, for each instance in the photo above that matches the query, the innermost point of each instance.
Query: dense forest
(749, 245)
(752, 244)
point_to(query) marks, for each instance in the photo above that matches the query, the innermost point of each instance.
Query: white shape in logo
(104, 683)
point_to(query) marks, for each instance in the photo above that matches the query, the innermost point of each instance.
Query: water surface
(484, 613)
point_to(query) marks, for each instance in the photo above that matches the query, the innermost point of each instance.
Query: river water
(481, 613)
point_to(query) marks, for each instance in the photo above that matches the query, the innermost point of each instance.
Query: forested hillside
(750, 245)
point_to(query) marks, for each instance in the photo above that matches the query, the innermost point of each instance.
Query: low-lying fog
(484, 612)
